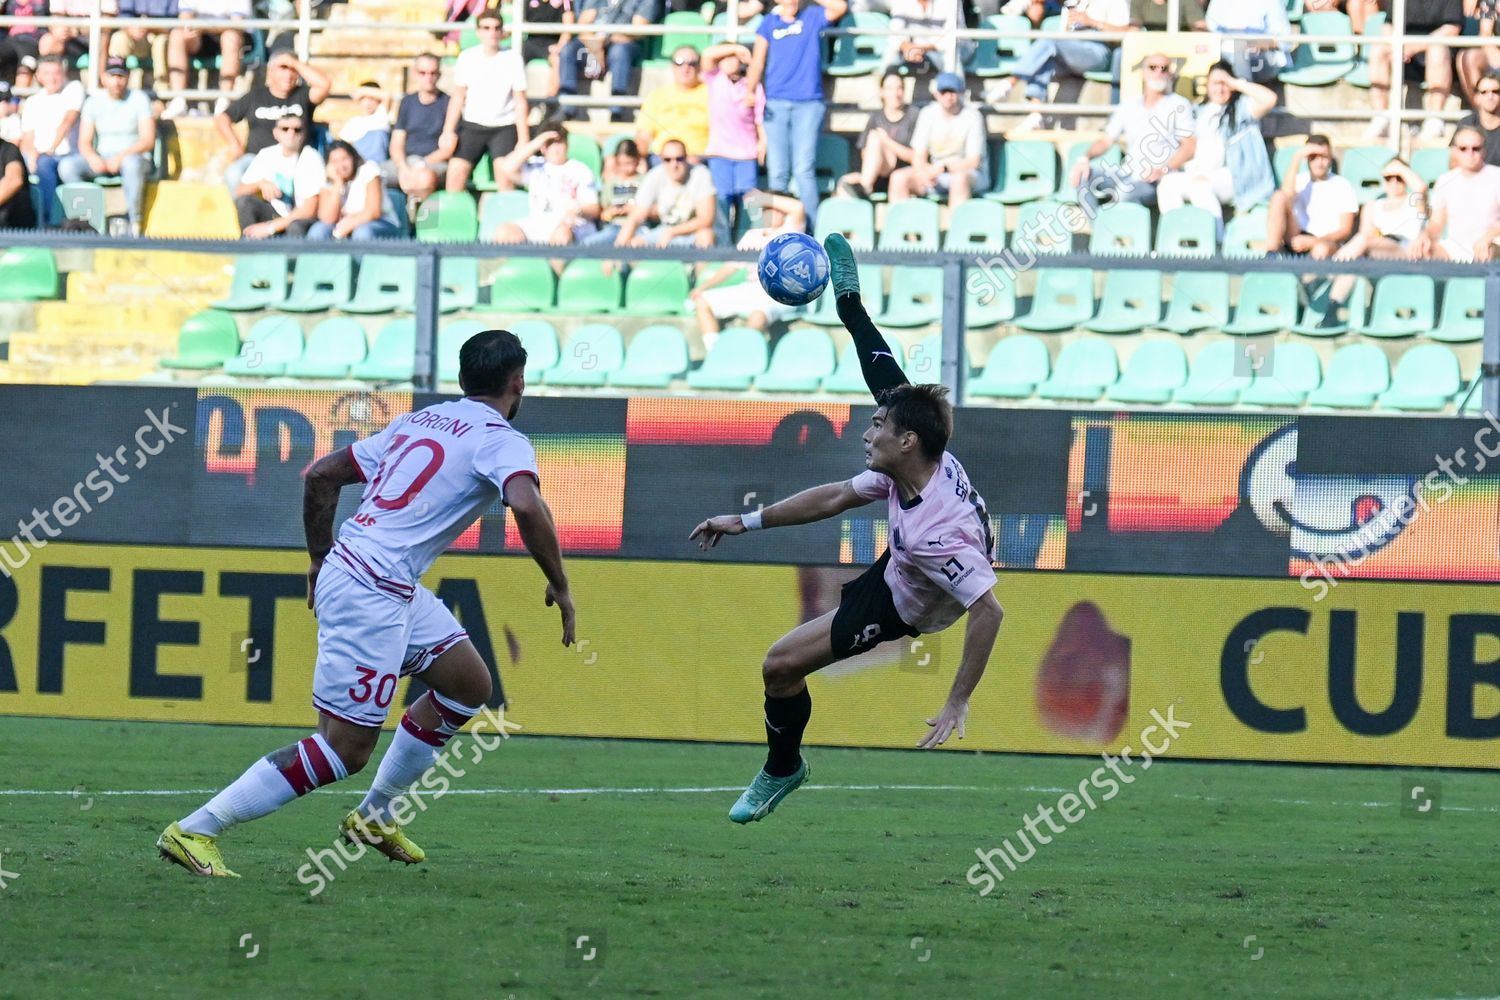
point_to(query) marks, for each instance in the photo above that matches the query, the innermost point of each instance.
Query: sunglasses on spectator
(427, 72)
(674, 159)
(1469, 149)
(297, 129)
(684, 62)
(1158, 67)
(1393, 177)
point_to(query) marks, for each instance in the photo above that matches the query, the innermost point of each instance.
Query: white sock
(265, 788)
(411, 753)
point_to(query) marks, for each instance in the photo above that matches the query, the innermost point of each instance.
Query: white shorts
(744, 299)
(1458, 251)
(368, 640)
(540, 227)
(215, 10)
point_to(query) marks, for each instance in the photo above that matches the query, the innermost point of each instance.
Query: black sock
(786, 719)
(877, 360)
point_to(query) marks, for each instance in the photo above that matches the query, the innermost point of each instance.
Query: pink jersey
(940, 546)
(428, 476)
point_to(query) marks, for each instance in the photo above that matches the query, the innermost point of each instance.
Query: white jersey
(428, 476)
(940, 545)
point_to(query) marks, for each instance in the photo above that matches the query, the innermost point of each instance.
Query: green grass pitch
(1197, 880)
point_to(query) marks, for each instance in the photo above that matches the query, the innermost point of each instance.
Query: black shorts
(867, 614)
(476, 140)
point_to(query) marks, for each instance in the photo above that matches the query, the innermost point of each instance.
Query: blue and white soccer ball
(793, 269)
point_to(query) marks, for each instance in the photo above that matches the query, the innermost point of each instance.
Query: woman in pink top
(736, 140)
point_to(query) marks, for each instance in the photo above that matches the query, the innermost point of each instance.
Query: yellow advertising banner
(1373, 673)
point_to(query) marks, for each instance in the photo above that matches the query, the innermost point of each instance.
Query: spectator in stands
(1258, 61)
(1486, 115)
(1438, 19)
(139, 42)
(291, 87)
(923, 54)
(10, 115)
(736, 135)
(678, 201)
(594, 53)
(419, 157)
(624, 170)
(1151, 15)
(1035, 11)
(788, 57)
(20, 49)
(16, 209)
(369, 132)
(487, 109)
(187, 41)
(563, 196)
(1474, 65)
(1315, 210)
(1230, 163)
(547, 47)
(1157, 128)
(116, 137)
(1391, 226)
(779, 212)
(677, 111)
(280, 190)
(1465, 219)
(351, 204)
(1045, 58)
(67, 40)
(950, 151)
(49, 129)
(885, 144)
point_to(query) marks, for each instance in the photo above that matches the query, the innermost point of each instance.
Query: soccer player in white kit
(427, 477)
(938, 565)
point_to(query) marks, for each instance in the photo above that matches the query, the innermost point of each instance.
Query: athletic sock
(786, 720)
(876, 358)
(265, 788)
(412, 752)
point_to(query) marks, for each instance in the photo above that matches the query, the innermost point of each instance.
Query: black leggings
(876, 359)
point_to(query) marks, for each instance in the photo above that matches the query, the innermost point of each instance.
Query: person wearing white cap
(950, 152)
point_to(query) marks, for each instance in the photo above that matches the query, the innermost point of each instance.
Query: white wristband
(751, 521)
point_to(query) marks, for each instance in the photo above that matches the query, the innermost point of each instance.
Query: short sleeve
(256, 171)
(518, 71)
(1348, 198)
(922, 134)
(1115, 127)
(974, 142)
(368, 452)
(764, 29)
(503, 457)
(240, 107)
(871, 485)
(310, 175)
(73, 96)
(960, 570)
(463, 69)
(403, 113)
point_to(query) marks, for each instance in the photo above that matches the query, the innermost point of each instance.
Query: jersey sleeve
(503, 458)
(367, 453)
(871, 485)
(960, 569)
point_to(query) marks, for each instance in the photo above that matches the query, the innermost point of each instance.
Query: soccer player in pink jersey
(427, 476)
(938, 565)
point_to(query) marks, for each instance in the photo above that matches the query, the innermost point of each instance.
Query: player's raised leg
(876, 359)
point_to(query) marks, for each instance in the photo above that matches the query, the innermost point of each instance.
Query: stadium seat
(1320, 317)
(1215, 377)
(1462, 318)
(831, 162)
(989, 298)
(483, 177)
(1363, 166)
(1426, 378)
(1245, 235)
(500, 206)
(1199, 301)
(994, 57)
(320, 281)
(857, 55)
(910, 225)
(451, 337)
(1123, 228)
(539, 338)
(83, 201)
(1285, 377)
(186, 210)
(1281, 161)
(1039, 225)
(1085, 368)
(801, 360)
(591, 354)
(447, 217)
(1016, 366)
(1130, 303)
(28, 273)
(1359, 76)
(1188, 231)
(1063, 300)
(656, 288)
(1065, 191)
(824, 311)
(1318, 64)
(206, 340)
(915, 299)
(1026, 171)
(585, 148)
(848, 377)
(522, 284)
(978, 228)
(854, 218)
(458, 283)
(1404, 305)
(587, 287)
(1356, 377)
(385, 284)
(1155, 370)
(656, 355)
(1431, 163)
(737, 357)
(271, 344)
(924, 359)
(674, 40)
(1294, 12)
(334, 346)
(391, 356)
(259, 283)
(1267, 304)
(746, 29)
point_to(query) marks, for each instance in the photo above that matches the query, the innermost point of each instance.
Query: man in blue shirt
(591, 53)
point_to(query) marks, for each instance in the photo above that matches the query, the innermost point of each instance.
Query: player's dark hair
(925, 411)
(488, 360)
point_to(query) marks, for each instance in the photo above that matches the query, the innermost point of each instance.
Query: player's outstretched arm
(539, 534)
(816, 504)
(979, 641)
(320, 498)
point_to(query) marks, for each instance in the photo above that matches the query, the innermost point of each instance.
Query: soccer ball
(793, 269)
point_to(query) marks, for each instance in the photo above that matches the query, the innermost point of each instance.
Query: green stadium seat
(1318, 64)
(746, 30)
(1321, 316)
(1462, 318)
(1016, 366)
(483, 177)
(320, 281)
(910, 225)
(586, 287)
(588, 358)
(1363, 166)
(1281, 162)
(522, 284)
(1188, 231)
(1267, 304)
(458, 283)
(1026, 171)
(994, 57)
(831, 162)
(1064, 300)
(848, 377)
(271, 344)
(540, 340)
(656, 288)
(801, 360)
(259, 283)
(1065, 191)
(1285, 377)
(1294, 12)
(989, 298)
(1426, 379)
(1122, 229)
(451, 337)
(1155, 370)
(27, 273)
(674, 40)
(1356, 377)
(1431, 163)
(585, 148)
(978, 228)
(1245, 235)
(83, 201)
(1404, 305)
(1085, 368)
(854, 218)
(1359, 76)
(385, 284)
(824, 311)
(206, 340)
(1034, 232)
(1212, 378)
(392, 355)
(736, 359)
(924, 360)
(1131, 302)
(656, 355)
(334, 346)
(1199, 301)
(501, 206)
(915, 299)
(447, 217)
(857, 55)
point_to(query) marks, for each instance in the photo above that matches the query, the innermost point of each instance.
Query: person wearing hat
(950, 151)
(116, 136)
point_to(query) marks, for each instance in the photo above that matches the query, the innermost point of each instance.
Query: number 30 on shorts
(384, 691)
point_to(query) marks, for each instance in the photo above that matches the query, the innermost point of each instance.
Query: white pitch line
(715, 789)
